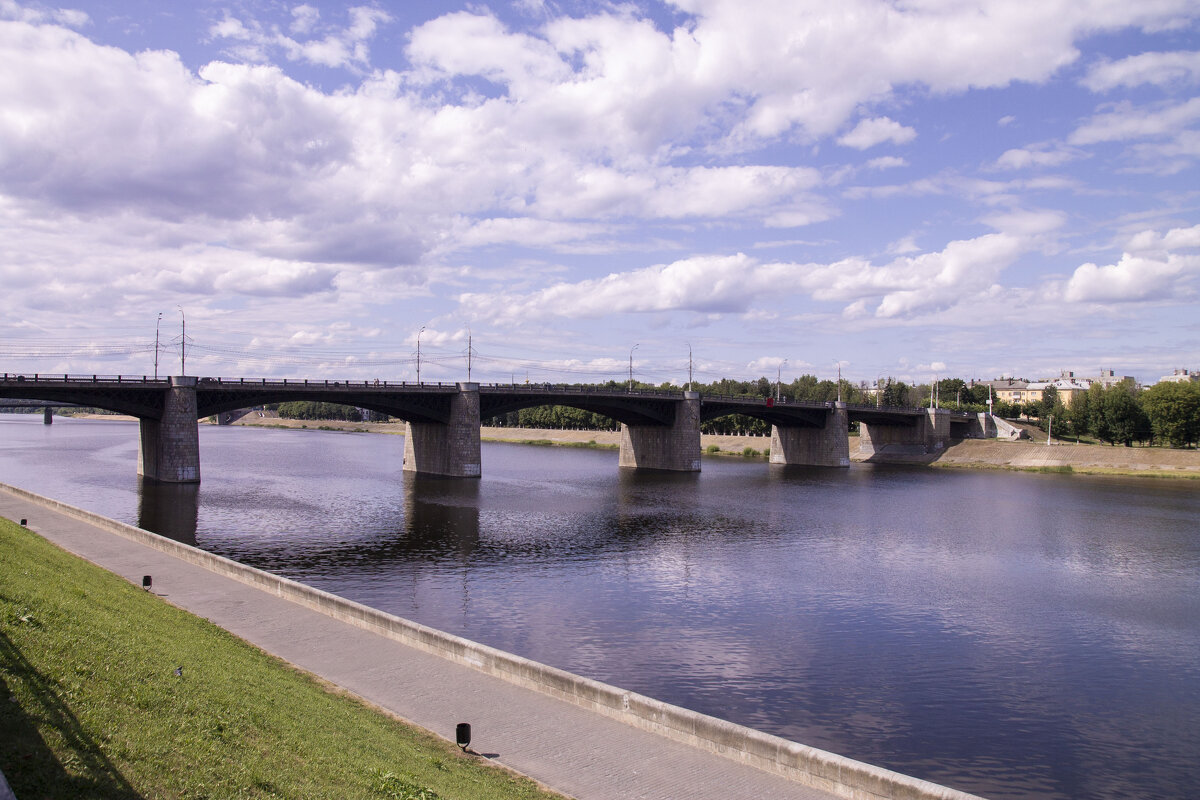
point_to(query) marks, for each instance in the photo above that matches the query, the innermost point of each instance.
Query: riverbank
(964, 454)
(1026, 455)
(112, 692)
(1088, 459)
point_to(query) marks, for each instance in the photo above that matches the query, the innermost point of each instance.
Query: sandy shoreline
(967, 454)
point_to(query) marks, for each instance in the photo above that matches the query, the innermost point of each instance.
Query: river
(1008, 634)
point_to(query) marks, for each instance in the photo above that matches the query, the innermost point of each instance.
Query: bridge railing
(574, 389)
(322, 384)
(37, 377)
(760, 400)
(901, 409)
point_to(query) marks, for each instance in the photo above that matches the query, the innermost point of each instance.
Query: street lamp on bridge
(419, 354)
(182, 342)
(635, 347)
(157, 325)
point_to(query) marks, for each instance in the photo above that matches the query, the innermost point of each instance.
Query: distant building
(1108, 379)
(1070, 387)
(1181, 376)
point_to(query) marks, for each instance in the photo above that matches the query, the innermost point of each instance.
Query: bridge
(660, 430)
(46, 407)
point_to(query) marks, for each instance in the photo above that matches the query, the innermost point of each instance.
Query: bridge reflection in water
(440, 516)
(660, 430)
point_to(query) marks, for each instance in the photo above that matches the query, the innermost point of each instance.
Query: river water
(1008, 634)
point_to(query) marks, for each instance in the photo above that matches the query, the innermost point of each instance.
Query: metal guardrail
(573, 389)
(37, 377)
(306, 383)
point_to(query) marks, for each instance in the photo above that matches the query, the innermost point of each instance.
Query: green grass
(92, 706)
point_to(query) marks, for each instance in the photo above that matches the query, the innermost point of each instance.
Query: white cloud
(304, 18)
(1041, 155)
(1159, 69)
(1150, 269)
(906, 287)
(1027, 223)
(1152, 242)
(71, 17)
(1129, 280)
(344, 48)
(870, 132)
(1127, 121)
(886, 162)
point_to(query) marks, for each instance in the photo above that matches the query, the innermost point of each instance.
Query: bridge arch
(629, 408)
(138, 398)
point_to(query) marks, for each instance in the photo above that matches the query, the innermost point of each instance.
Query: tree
(1120, 418)
(1174, 412)
(1049, 402)
(895, 393)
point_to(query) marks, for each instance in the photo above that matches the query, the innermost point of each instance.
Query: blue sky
(904, 189)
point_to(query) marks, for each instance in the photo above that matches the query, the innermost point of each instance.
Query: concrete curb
(809, 766)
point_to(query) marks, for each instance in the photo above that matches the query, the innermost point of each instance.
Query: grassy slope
(92, 707)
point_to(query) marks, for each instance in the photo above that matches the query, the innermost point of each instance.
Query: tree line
(1165, 414)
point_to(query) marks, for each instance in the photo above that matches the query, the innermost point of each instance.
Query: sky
(900, 188)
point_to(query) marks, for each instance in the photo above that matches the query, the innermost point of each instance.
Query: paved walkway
(571, 750)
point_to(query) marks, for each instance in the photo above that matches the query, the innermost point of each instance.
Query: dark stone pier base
(451, 449)
(170, 450)
(673, 447)
(814, 447)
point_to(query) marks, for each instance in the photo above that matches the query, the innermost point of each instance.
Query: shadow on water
(30, 765)
(169, 509)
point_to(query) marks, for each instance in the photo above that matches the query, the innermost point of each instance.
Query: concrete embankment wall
(806, 765)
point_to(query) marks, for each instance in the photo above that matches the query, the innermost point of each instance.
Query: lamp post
(778, 378)
(635, 347)
(182, 342)
(419, 354)
(157, 325)
(689, 386)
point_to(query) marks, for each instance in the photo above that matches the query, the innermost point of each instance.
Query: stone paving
(565, 747)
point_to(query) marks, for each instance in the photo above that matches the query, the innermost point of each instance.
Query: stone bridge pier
(674, 447)
(925, 435)
(828, 446)
(449, 449)
(170, 447)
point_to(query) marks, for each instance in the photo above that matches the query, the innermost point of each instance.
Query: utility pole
(183, 343)
(689, 387)
(157, 325)
(419, 354)
(635, 347)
